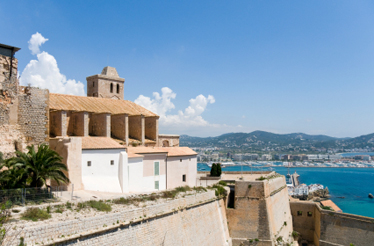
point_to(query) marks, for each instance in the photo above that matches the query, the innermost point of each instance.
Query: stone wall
(327, 228)
(261, 211)
(193, 220)
(151, 128)
(119, 125)
(70, 149)
(136, 127)
(166, 140)
(99, 125)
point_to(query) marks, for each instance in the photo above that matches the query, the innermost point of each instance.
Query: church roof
(96, 105)
(100, 143)
(171, 151)
(110, 72)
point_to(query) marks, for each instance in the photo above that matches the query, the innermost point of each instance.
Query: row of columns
(122, 126)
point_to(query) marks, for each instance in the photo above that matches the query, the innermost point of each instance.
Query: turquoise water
(352, 183)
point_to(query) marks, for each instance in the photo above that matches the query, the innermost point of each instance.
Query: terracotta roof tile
(100, 143)
(331, 204)
(96, 105)
(171, 151)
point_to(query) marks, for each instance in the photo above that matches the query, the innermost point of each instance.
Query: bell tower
(108, 84)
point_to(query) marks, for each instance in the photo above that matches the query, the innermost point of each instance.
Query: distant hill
(267, 141)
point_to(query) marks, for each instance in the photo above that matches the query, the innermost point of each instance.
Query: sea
(354, 184)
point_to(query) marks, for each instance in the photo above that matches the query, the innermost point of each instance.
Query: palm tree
(41, 165)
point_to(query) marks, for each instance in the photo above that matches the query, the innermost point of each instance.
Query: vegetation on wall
(32, 169)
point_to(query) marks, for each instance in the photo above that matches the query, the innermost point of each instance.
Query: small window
(111, 87)
(93, 84)
(184, 177)
(117, 88)
(299, 213)
(88, 163)
(157, 185)
(111, 162)
(181, 160)
(310, 214)
(157, 168)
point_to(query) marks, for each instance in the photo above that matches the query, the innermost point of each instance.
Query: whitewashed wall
(101, 175)
(176, 169)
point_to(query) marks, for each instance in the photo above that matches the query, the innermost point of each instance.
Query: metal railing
(24, 196)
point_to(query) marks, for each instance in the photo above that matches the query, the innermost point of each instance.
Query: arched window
(165, 143)
(117, 88)
(111, 87)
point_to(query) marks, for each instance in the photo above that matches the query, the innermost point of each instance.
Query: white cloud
(35, 42)
(44, 72)
(190, 117)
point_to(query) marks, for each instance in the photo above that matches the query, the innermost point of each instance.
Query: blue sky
(279, 66)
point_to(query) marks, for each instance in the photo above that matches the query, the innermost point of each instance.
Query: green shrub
(249, 186)
(35, 214)
(100, 205)
(222, 183)
(68, 205)
(279, 239)
(59, 209)
(261, 178)
(199, 189)
(49, 209)
(295, 234)
(182, 188)
(16, 211)
(220, 191)
(327, 208)
(256, 239)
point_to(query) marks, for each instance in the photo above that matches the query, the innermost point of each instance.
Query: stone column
(127, 129)
(107, 124)
(64, 125)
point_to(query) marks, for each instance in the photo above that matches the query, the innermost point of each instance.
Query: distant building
(266, 157)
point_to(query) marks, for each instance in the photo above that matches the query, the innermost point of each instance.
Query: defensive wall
(328, 228)
(260, 212)
(193, 220)
(24, 111)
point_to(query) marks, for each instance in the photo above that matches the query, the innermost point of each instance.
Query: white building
(266, 157)
(102, 164)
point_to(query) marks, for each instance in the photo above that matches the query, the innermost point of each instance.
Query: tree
(219, 170)
(213, 170)
(34, 168)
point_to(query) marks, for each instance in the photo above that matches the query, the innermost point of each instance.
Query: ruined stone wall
(33, 115)
(261, 211)
(193, 220)
(24, 117)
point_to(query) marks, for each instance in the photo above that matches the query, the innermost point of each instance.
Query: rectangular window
(184, 177)
(299, 213)
(88, 163)
(310, 214)
(157, 168)
(181, 160)
(111, 162)
(157, 185)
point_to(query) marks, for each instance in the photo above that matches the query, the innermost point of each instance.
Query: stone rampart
(328, 228)
(261, 212)
(193, 220)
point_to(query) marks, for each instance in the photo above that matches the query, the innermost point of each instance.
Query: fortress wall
(278, 207)
(261, 208)
(343, 229)
(33, 115)
(303, 223)
(193, 220)
(11, 139)
(327, 228)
